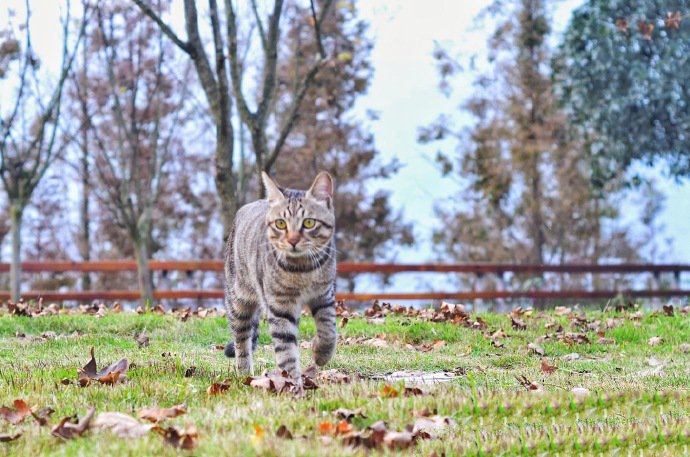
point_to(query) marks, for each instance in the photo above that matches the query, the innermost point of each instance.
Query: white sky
(404, 92)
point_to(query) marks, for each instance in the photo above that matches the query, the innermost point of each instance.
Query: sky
(405, 95)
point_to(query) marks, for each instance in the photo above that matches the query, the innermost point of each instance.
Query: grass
(632, 405)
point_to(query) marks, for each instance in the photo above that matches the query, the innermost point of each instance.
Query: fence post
(656, 285)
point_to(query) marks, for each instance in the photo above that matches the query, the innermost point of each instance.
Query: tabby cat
(281, 257)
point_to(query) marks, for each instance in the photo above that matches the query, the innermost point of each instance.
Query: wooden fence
(480, 270)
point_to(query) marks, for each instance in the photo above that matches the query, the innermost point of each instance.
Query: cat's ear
(322, 188)
(273, 192)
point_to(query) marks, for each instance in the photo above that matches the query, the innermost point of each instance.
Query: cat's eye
(309, 223)
(281, 224)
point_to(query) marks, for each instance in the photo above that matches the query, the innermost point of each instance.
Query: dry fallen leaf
(17, 414)
(546, 368)
(348, 414)
(518, 324)
(431, 424)
(655, 341)
(187, 438)
(43, 415)
(109, 375)
(388, 391)
(159, 414)
(579, 392)
(684, 348)
(68, 430)
(218, 388)
(534, 347)
(562, 310)
(326, 428)
(570, 357)
(122, 425)
(333, 376)
(398, 440)
(668, 310)
(6, 437)
(283, 432)
(530, 385)
(142, 339)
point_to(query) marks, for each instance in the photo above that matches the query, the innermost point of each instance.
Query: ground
(626, 389)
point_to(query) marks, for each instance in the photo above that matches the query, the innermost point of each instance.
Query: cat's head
(299, 224)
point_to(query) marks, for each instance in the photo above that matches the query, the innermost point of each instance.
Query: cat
(280, 257)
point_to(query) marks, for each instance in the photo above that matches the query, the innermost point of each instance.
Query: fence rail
(478, 269)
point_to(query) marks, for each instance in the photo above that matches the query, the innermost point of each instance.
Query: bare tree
(132, 104)
(29, 127)
(220, 85)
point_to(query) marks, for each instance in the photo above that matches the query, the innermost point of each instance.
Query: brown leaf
(142, 339)
(159, 414)
(562, 310)
(109, 375)
(530, 385)
(343, 428)
(398, 440)
(546, 368)
(432, 424)
(655, 341)
(326, 428)
(646, 29)
(43, 415)
(6, 437)
(388, 391)
(534, 347)
(68, 430)
(412, 391)
(218, 388)
(333, 376)
(348, 414)
(17, 414)
(187, 438)
(622, 25)
(672, 20)
(343, 322)
(122, 425)
(283, 432)
(668, 310)
(518, 324)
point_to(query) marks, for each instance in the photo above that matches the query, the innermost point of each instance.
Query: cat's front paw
(323, 350)
(244, 365)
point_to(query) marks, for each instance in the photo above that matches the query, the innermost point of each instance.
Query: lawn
(615, 385)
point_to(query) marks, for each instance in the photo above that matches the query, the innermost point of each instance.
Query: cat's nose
(293, 238)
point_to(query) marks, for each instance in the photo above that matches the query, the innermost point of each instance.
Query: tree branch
(170, 33)
(270, 64)
(231, 19)
(293, 112)
(260, 25)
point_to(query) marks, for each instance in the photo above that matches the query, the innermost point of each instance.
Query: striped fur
(277, 262)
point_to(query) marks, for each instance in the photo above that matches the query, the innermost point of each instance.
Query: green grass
(630, 406)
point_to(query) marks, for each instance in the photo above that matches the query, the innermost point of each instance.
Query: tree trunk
(225, 180)
(144, 273)
(16, 211)
(84, 220)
